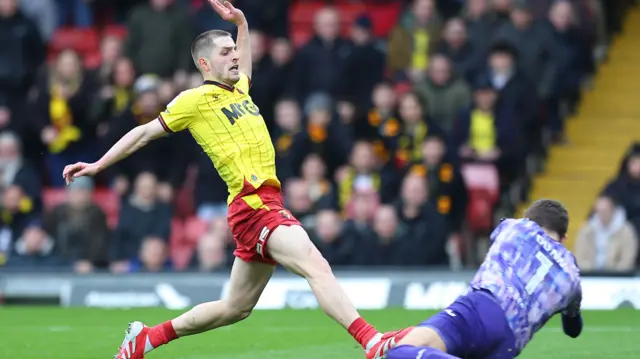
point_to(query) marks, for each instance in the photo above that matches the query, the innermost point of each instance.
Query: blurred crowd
(376, 136)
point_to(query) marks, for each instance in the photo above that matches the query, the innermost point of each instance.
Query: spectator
(298, 201)
(362, 207)
(426, 227)
(141, 216)
(415, 128)
(365, 64)
(16, 171)
(115, 96)
(44, 15)
(35, 249)
(607, 242)
(282, 57)
(481, 24)
(22, 54)
(625, 189)
(162, 157)
(210, 254)
(15, 217)
(63, 115)
(336, 248)
(79, 228)
(211, 191)
(465, 58)
(575, 61)
(320, 65)
(444, 181)
(110, 57)
(159, 39)
(381, 121)
(324, 135)
(535, 46)
(266, 77)
(321, 190)
(516, 94)
(153, 257)
(444, 93)
(78, 11)
(414, 39)
(206, 19)
(501, 10)
(390, 242)
(288, 119)
(362, 175)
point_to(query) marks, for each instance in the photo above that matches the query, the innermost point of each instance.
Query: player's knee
(237, 312)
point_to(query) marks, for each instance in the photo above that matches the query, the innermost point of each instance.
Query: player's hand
(79, 169)
(228, 12)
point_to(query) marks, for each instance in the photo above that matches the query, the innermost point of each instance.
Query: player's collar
(220, 84)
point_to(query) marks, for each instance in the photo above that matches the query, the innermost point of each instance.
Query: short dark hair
(549, 214)
(203, 44)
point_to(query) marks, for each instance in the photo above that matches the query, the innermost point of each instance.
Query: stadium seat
(179, 252)
(51, 197)
(483, 185)
(194, 228)
(118, 31)
(92, 60)
(110, 204)
(384, 17)
(83, 41)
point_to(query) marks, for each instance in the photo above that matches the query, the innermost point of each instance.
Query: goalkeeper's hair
(204, 44)
(549, 214)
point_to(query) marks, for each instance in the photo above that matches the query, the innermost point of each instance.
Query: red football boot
(135, 340)
(388, 341)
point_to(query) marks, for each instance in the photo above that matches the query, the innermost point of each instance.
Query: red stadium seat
(118, 31)
(384, 17)
(194, 228)
(51, 197)
(110, 204)
(483, 184)
(81, 40)
(92, 61)
(180, 251)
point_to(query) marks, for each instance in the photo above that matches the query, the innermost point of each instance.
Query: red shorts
(252, 218)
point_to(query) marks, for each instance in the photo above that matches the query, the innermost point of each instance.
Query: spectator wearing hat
(324, 135)
(486, 133)
(625, 189)
(162, 157)
(79, 228)
(365, 64)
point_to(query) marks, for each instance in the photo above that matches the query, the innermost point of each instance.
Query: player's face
(224, 60)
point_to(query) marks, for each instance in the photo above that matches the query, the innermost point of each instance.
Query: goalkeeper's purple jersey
(530, 275)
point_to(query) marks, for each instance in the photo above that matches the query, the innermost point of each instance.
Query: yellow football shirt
(228, 126)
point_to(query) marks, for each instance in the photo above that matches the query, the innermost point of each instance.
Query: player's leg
(247, 282)
(291, 247)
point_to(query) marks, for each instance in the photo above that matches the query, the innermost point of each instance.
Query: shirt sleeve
(244, 84)
(179, 113)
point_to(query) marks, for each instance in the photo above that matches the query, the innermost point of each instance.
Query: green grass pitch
(83, 333)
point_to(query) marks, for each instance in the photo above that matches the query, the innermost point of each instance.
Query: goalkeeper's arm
(572, 319)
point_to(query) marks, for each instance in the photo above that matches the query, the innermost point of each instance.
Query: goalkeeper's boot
(388, 340)
(134, 343)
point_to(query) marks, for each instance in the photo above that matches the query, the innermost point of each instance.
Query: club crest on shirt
(284, 214)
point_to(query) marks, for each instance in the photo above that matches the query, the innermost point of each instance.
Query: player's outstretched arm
(229, 13)
(128, 144)
(572, 319)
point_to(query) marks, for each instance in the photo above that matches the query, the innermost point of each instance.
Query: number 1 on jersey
(541, 272)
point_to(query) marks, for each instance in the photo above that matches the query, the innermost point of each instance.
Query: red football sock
(162, 334)
(362, 331)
